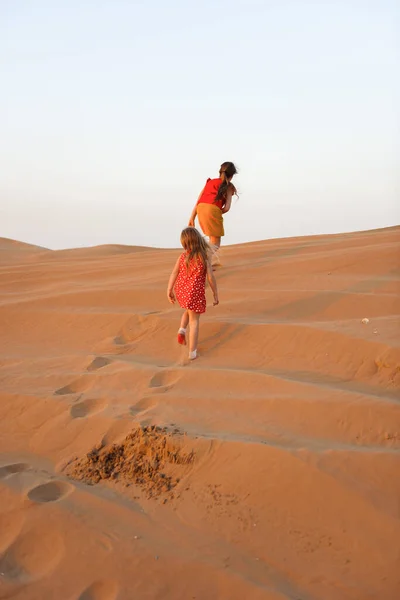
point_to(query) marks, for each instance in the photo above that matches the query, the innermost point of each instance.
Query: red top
(209, 193)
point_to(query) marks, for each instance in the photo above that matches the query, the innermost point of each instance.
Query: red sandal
(182, 339)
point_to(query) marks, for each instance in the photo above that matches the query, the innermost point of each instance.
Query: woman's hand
(228, 201)
(171, 296)
(191, 222)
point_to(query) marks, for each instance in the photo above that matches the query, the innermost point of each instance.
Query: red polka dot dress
(190, 286)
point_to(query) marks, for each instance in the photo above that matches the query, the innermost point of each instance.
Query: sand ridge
(287, 427)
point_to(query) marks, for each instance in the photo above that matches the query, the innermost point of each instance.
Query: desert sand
(268, 469)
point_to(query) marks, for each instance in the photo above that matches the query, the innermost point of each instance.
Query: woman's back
(210, 193)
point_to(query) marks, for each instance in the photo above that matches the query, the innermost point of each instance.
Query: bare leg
(194, 322)
(182, 328)
(184, 320)
(215, 243)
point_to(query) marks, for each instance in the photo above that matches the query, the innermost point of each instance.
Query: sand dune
(266, 470)
(12, 251)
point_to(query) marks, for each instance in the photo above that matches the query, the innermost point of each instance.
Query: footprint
(120, 340)
(100, 590)
(116, 432)
(143, 405)
(99, 363)
(136, 328)
(32, 555)
(86, 408)
(164, 380)
(50, 491)
(10, 527)
(12, 469)
(104, 540)
(79, 385)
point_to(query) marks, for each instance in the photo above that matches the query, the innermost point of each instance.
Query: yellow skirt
(210, 219)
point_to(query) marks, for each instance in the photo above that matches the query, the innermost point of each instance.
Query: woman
(214, 201)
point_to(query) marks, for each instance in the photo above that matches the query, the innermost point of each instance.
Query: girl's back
(187, 284)
(190, 284)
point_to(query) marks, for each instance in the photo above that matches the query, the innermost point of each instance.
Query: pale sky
(113, 113)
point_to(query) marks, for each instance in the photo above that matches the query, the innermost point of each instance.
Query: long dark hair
(226, 172)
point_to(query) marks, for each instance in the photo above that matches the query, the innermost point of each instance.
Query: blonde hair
(195, 245)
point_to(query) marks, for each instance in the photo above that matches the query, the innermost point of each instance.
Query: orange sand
(290, 419)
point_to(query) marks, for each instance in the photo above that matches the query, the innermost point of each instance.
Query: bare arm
(228, 201)
(193, 216)
(194, 211)
(171, 283)
(213, 282)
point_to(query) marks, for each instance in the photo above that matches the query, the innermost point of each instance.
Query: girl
(187, 285)
(214, 201)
